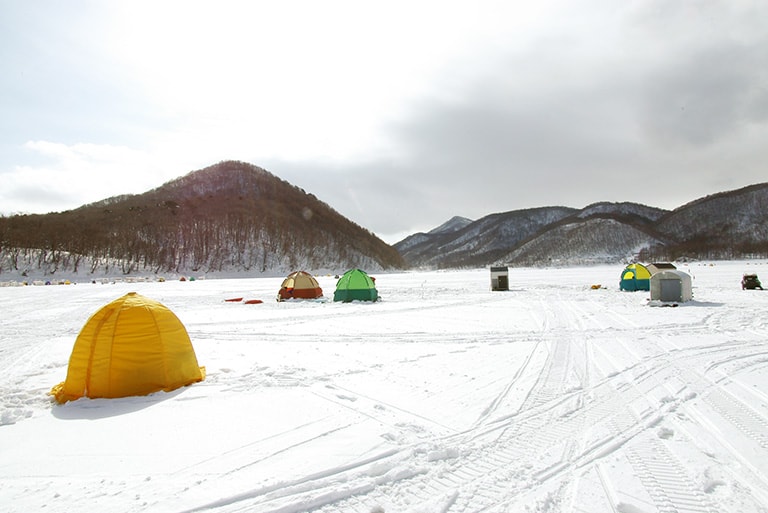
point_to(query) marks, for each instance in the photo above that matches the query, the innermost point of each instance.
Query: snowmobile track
(665, 478)
(748, 421)
(492, 475)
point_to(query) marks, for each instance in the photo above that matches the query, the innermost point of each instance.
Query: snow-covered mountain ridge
(725, 225)
(234, 218)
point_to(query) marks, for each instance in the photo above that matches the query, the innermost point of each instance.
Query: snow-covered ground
(443, 397)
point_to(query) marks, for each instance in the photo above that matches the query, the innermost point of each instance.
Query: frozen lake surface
(443, 397)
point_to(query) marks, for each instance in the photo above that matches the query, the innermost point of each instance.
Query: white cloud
(303, 80)
(415, 107)
(72, 175)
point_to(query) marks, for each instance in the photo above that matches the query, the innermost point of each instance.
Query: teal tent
(355, 285)
(635, 277)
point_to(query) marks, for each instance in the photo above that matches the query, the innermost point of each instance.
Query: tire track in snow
(486, 473)
(748, 421)
(751, 423)
(666, 479)
(483, 463)
(554, 367)
(558, 431)
(555, 427)
(372, 404)
(663, 476)
(312, 491)
(752, 481)
(19, 397)
(622, 423)
(493, 474)
(501, 397)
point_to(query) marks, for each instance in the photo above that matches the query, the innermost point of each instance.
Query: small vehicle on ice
(751, 282)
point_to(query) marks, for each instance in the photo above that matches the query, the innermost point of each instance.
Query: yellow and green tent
(635, 277)
(131, 346)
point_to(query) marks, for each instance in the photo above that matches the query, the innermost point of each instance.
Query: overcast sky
(399, 115)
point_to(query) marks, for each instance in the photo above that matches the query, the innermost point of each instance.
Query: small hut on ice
(671, 286)
(500, 278)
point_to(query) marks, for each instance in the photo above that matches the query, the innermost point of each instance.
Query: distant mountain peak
(454, 224)
(230, 217)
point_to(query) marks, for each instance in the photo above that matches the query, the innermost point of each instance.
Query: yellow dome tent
(131, 346)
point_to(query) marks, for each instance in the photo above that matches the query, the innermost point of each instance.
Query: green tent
(355, 285)
(635, 277)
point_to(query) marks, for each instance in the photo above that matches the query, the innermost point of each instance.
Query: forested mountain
(234, 217)
(724, 225)
(731, 224)
(485, 240)
(230, 217)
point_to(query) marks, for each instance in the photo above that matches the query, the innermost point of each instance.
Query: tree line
(232, 215)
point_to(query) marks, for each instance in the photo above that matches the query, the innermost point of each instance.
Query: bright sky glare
(399, 115)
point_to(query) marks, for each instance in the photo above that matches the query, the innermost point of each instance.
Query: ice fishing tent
(635, 277)
(299, 285)
(131, 346)
(500, 278)
(671, 285)
(355, 285)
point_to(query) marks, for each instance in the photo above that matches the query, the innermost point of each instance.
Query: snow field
(443, 397)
